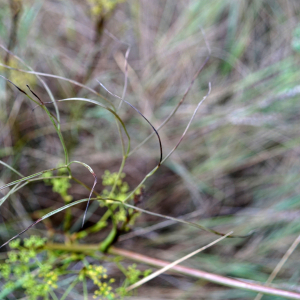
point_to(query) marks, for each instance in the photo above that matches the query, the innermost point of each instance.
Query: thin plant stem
(50, 177)
(280, 264)
(163, 224)
(11, 168)
(155, 131)
(126, 78)
(31, 176)
(122, 140)
(125, 65)
(13, 190)
(188, 125)
(198, 226)
(173, 264)
(112, 208)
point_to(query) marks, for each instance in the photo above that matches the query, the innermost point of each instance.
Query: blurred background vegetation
(236, 169)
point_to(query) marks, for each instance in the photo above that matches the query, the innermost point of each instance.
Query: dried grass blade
(93, 188)
(188, 125)
(171, 265)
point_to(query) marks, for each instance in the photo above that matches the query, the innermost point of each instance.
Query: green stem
(118, 176)
(141, 183)
(104, 246)
(60, 137)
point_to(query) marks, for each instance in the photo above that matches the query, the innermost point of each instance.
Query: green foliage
(29, 269)
(119, 191)
(133, 275)
(59, 185)
(98, 274)
(32, 267)
(119, 188)
(37, 270)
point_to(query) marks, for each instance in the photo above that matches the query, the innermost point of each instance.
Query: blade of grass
(280, 264)
(125, 65)
(163, 224)
(173, 264)
(30, 176)
(11, 168)
(92, 190)
(70, 287)
(188, 125)
(126, 77)
(13, 190)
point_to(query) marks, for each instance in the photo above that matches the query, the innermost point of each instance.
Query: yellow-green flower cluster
(111, 179)
(33, 242)
(51, 279)
(120, 215)
(103, 6)
(35, 289)
(133, 274)
(21, 264)
(59, 185)
(97, 274)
